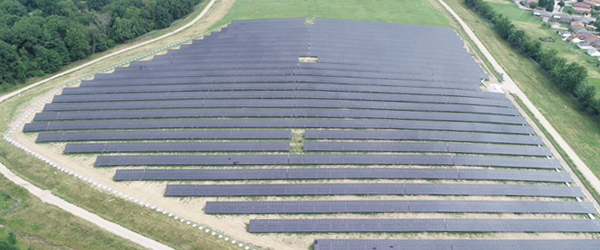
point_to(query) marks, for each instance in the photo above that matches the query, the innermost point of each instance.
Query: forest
(38, 37)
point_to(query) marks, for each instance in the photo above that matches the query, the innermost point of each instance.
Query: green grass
(581, 131)
(400, 11)
(524, 20)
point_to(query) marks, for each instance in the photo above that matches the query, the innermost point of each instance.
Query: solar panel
(125, 147)
(164, 135)
(422, 225)
(421, 136)
(376, 189)
(396, 206)
(378, 244)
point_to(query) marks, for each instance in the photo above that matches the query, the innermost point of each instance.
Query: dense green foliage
(39, 36)
(570, 77)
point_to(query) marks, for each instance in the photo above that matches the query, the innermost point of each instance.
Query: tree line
(38, 37)
(570, 77)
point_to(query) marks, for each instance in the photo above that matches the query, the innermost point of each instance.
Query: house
(586, 36)
(579, 31)
(584, 19)
(584, 45)
(555, 25)
(574, 39)
(596, 44)
(582, 5)
(577, 24)
(562, 18)
(593, 52)
(594, 3)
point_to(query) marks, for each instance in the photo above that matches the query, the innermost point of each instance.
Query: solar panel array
(379, 244)
(377, 104)
(423, 225)
(340, 173)
(395, 206)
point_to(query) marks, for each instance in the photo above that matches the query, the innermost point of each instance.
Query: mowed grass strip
(397, 11)
(580, 130)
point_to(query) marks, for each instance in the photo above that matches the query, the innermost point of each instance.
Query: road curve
(19, 91)
(509, 85)
(47, 197)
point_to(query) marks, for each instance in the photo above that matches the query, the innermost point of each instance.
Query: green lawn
(524, 20)
(400, 11)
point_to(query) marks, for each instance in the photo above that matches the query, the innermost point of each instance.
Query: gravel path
(47, 197)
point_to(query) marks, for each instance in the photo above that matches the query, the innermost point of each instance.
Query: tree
(542, 3)
(569, 10)
(550, 6)
(561, 4)
(533, 5)
(585, 95)
(12, 238)
(77, 43)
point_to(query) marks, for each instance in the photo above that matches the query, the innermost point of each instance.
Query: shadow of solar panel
(176, 147)
(361, 244)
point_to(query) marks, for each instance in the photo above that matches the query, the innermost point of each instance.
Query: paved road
(47, 197)
(3, 98)
(510, 86)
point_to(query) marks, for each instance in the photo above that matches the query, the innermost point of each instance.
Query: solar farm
(336, 134)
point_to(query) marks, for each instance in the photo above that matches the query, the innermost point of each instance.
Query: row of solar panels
(325, 159)
(167, 135)
(372, 57)
(277, 113)
(282, 103)
(282, 95)
(193, 190)
(194, 134)
(458, 244)
(432, 147)
(289, 64)
(397, 206)
(275, 123)
(423, 225)
(420, 136)
(339, 173)
(284, 86)
(309, 146)
(431, 81)
(129, 147)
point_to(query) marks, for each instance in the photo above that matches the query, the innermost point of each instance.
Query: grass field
(524, 20)
(401, 11)
(580, 130)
